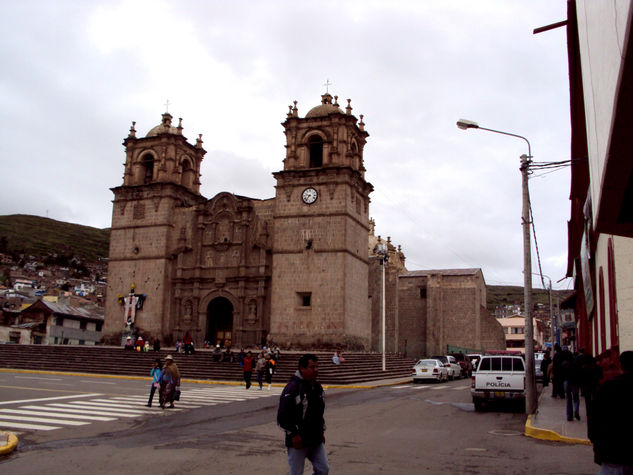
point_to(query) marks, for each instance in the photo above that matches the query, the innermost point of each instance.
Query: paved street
(426, 428)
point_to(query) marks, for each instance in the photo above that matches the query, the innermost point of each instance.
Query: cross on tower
(167, 106)
(327, 86)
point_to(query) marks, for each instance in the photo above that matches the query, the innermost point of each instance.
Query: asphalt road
(425, 428)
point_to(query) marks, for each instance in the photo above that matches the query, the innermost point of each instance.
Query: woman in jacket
(155, 372)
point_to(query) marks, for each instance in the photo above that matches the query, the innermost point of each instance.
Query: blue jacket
(155, 374)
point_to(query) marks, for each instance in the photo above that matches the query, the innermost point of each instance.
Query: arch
(188, 173)
(613, 300)
(315, 143)
(219, 321)
(147, 168)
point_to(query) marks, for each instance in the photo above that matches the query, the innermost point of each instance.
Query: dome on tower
(326, 108)
(165, 127)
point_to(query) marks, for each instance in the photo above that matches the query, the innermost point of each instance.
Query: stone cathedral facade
(297, 269)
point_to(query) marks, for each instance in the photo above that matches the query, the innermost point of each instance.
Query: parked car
(499, 378)
(450, 363)
(429, 369)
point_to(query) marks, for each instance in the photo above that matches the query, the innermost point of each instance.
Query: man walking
(300, 415)
(611, 421)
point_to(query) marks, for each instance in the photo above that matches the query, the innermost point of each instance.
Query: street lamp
(530, 388)
(383, 251)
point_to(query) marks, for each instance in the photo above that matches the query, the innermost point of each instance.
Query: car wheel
(478, 405)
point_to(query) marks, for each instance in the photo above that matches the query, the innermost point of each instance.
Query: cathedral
(299, 269)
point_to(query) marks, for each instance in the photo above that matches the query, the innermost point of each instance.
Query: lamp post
(383, 251)
(530, 381)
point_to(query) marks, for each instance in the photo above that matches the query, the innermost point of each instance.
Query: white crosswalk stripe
(85, 409)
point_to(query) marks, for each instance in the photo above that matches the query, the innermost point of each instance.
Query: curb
(546, 434)
(12, 443)
(199, 381)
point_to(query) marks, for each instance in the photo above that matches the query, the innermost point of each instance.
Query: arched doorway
(220, 322)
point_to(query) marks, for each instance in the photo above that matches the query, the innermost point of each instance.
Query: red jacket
(248, 363)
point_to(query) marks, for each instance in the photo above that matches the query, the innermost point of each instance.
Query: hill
(510, 295)
(34, 235)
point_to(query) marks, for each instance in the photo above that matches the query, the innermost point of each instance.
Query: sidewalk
(550, 421)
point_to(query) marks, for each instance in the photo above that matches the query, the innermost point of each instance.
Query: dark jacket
(611, 421)
(301, 408)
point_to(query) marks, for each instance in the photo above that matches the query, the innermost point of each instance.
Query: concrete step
(358, 367)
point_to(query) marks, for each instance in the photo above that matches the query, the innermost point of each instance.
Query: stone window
(305, 299)
(422, 292)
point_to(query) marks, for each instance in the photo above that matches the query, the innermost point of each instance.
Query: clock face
(309, 195)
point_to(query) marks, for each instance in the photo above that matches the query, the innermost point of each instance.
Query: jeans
(316, 455)
(151, 395)
(615, 469)
(571, 391)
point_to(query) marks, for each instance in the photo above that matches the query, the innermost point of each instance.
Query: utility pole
(530, 379)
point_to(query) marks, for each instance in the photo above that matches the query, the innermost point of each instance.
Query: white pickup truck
(498, 377)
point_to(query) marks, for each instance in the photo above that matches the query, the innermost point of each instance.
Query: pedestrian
(335, 359)
(187, 343)
(260, 367)
(240, 357)
(156, 344)
(276, 353)
(300, 415)
(269, 369)
(247, 368)
(571, 384)
(155, 373)
(590, 376)
(170, 383)
(557, 373)
(611, 421)
(129, 344)
(547, 361)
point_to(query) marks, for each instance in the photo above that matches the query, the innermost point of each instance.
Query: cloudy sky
(75, 74)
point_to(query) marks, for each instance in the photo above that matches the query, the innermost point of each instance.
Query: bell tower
(161, 184)
(321, 223)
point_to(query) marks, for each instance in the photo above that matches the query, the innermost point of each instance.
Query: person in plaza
(146, 347)
(336, 359)
(187, 343)
(557, 373)
(269, 370)
(276, 353)
(247, 369)
(545, 364)
(611, 421)
(140, 343)
(170, 382)
(217, 353)
(571, 384)
(155, 373)
(260, 367)
(228, 355)
(300, 415)
(156, 344)
(240, 357)
(129, 344)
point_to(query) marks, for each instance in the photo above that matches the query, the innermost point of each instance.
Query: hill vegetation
(37, 236)
(499, 295)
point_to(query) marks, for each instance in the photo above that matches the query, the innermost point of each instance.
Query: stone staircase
(357, 368)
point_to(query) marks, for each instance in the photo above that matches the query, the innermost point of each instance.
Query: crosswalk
(52, 413)
(432, 387)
